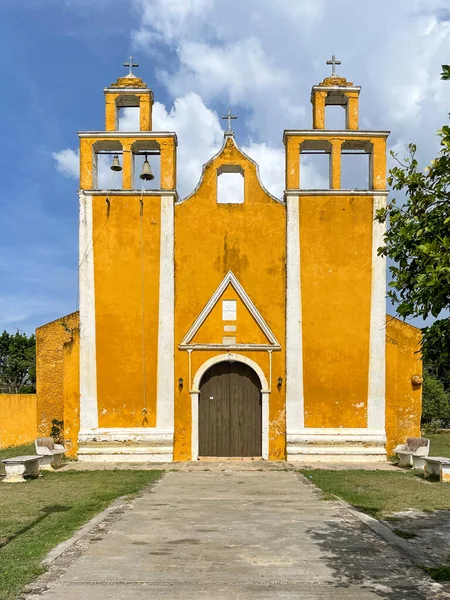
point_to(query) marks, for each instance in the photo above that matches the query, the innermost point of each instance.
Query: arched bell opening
(356, 165)
(107, 165)
(146, 165)
(315, 165)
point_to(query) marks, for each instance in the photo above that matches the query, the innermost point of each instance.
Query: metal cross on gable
(229, 117)
(130, 64)
(333, 62)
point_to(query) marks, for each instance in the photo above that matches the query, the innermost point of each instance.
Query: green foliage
(445, 72)
(418, 241)
(57, 431)
(17, 363)
(435, 398)
(440, 573)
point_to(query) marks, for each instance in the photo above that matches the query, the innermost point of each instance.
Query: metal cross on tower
(130, 64)
(229, 116)
(333, 62)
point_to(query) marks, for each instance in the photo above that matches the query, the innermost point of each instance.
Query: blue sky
(259, 57)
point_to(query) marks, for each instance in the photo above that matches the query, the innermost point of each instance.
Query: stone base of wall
(129, 445)
(336, 445)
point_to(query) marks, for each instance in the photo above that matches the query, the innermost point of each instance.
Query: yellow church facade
(252, 327)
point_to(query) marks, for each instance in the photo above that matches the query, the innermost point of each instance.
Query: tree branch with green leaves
(418, 241)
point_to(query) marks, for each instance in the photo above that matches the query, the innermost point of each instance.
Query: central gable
(241, 173)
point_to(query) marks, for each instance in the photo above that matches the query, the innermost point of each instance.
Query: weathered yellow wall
(403, 399)
(18, 419)
(336, 265)
(71, 393)
(118, 307)
(210, 240)
(50, 340)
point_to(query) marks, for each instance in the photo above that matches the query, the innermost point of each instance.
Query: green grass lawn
(380, 493)
(15, 451)
(35, 516)
(439, 444)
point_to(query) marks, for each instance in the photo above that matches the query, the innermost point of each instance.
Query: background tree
(435, 398)
(418, 241)
(17, 363)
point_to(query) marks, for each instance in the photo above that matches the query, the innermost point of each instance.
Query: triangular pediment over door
(230, 319)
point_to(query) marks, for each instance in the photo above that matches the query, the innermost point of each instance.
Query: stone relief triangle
(248, 329)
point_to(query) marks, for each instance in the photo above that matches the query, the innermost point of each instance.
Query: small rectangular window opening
(230, 188)
(335, 117)
(229, 310)
(128, 118)
(355, 174)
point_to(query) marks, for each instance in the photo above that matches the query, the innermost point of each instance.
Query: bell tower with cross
(126, 277)
(336, 282)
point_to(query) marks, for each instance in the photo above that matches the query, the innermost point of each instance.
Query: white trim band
(165, 392)
(376, 405)
(88, 355)
(294, 342)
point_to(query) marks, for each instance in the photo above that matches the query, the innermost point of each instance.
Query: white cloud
(67, 162)
(252, 55)
(167, 20)
(237, 70)
(199, 136)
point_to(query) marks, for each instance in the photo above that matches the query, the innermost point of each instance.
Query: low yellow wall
(18, 419)
(50, 340)
(403, 398)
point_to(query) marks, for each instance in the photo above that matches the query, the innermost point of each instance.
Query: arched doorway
(230, 411)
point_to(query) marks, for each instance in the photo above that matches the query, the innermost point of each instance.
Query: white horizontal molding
(332, 451)
(135, 192)
(328, 192)
(333, 133)
(141, 135)
(335, 88)
(257, 347)
(336, 435)
(127, 90)
(125, 434)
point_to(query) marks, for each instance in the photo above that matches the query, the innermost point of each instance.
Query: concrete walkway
(237, 535)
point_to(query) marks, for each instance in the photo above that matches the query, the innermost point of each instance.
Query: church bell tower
(126, 280)
(336, 285)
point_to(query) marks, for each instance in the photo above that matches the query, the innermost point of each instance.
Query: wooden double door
(230, 411)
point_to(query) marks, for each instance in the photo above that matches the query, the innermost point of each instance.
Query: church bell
(146, 173)
(116, 164)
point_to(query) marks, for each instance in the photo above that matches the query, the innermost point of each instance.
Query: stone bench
(50, 452)
(19, 467)
(437, 465)
(418, 461)
(413, 447)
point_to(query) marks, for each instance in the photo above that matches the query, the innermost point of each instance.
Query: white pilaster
(88, 357)
(294, 351)
(165, 373)
(377, 353)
